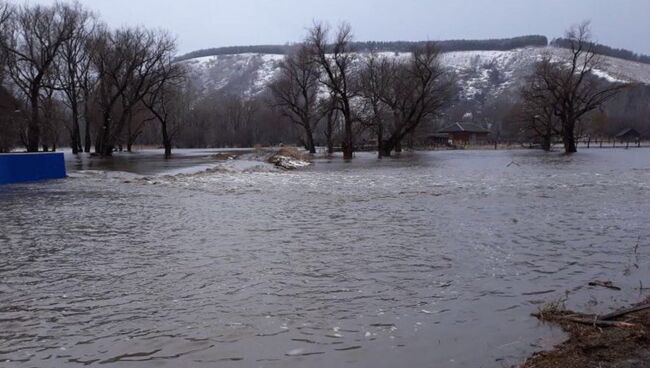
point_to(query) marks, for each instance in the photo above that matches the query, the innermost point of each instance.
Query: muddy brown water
(433, 259)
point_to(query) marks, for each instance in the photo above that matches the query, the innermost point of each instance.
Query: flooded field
(433, 259)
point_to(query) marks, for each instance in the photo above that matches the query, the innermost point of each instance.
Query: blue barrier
(22, 167)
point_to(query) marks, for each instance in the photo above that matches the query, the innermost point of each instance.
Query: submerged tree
(127, 63)
(166, 101)
(338, 75)
(73, 69)
(375, 79)
(295, 92)
(33, 36)
(572, 86)
(418, 90)
(537, 109)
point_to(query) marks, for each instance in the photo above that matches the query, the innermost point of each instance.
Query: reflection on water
(435, 259)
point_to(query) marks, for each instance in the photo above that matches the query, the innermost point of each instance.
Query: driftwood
(606, 284)
(597, 322)
(601, 321)
(584, 320)
(622, 312)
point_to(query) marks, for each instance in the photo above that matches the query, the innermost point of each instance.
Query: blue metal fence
(22, 167)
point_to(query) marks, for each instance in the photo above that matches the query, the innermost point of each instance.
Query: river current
(434, 259)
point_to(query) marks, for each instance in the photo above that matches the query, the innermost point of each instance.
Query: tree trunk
(387, 148)
(348, 144)
(330, 145)
(33, 128)
(310, 142)
(546, 142)
(129, 133)
(330, 132)
(168, 149)
(87, 140)
(398, 146)
(76, 134)
(167, 142)
(104, 145)
(569, 138)
(380, 141)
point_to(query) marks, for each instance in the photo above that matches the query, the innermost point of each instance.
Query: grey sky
(213, 23)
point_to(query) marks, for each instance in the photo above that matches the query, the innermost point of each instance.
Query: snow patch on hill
(479, 72)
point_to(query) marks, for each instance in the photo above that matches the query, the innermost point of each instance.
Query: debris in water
(289, 159)
(605, 284)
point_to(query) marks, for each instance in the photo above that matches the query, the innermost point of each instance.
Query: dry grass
(590, 346)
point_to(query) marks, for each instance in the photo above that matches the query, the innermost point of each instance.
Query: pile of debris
(617, 340)
(289, 158)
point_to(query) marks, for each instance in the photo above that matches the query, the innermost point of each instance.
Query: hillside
(480, 73)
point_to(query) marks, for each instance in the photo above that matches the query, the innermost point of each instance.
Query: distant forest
(502, 44)
(607, 51)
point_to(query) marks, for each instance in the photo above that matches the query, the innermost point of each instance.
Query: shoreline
(616, 340)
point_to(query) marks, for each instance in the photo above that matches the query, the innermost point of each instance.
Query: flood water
(431, 260)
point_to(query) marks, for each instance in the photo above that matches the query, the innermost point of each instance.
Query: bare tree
(375, 79)
(52, 111)
(328, 111)
(336, 61)
(238, 116)
(126, 63)
(166, 100)
(418, 90)
(537, 110)
(73, 69)
(295, 92)
(5, 31)
(35, 35)
(571, 82)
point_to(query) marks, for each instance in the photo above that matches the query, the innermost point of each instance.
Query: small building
(438, 139)
(464, 133)
(628, 135)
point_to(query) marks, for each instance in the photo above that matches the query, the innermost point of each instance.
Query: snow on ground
(478, 71)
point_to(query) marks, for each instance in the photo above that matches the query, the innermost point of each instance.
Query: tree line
(501, 44)
(323, 81)
(68, 79)
(605, 50)
(560, 94)
(68, 73)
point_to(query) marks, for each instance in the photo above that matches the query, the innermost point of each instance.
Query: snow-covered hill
(480, 73)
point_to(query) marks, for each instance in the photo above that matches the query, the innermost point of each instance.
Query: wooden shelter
(628, 135)
(464, 133)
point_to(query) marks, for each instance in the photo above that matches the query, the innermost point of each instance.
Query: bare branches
(569, 87)
(33, 36)
(295, 91)
(414, 91)
(128, 64)
(165, 99)
(335, 59)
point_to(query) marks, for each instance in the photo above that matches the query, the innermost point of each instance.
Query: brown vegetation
(616, 340)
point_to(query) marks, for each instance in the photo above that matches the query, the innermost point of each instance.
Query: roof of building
(628, 131)
(463, 127)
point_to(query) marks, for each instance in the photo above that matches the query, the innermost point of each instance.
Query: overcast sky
(202, 24)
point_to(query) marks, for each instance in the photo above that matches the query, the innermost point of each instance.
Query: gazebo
(628, 135)
(466, 133)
